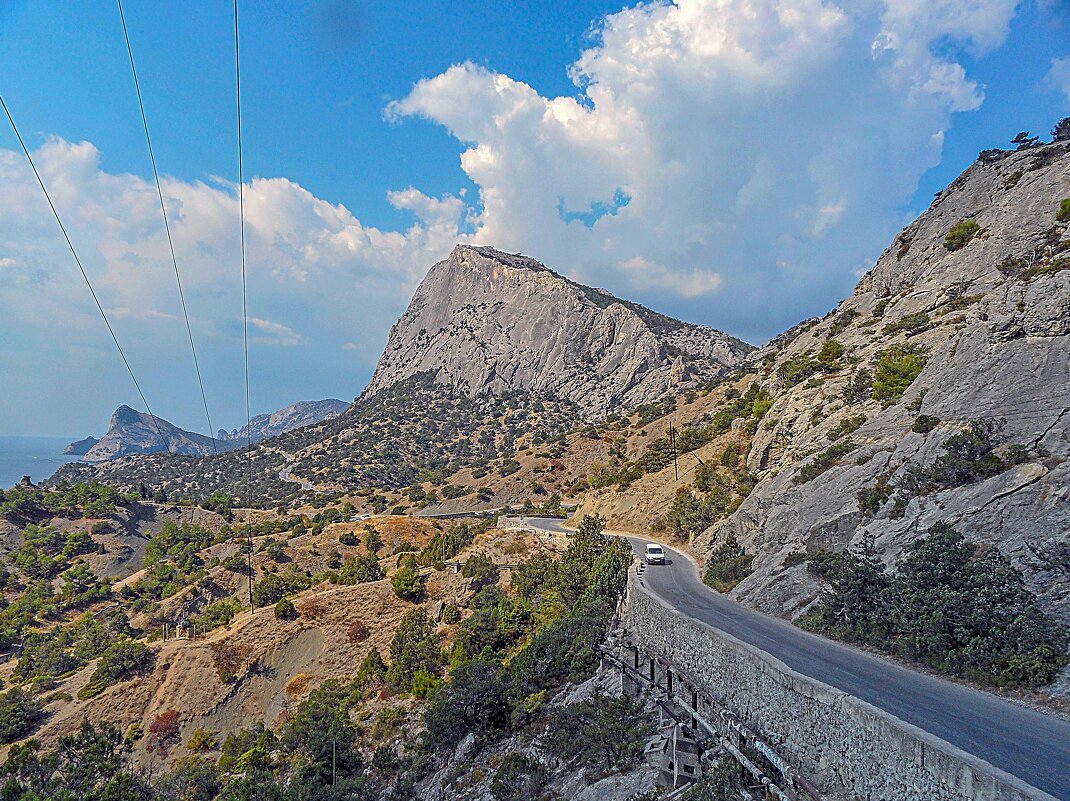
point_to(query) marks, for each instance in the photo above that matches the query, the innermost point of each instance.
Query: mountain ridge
(132, 433)
(484, 320)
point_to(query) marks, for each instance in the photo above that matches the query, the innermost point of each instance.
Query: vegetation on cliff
(950, 604)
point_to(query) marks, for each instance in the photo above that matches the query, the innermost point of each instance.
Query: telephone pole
(250, 562)
(675, 462)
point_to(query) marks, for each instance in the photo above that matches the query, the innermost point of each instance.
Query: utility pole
(250, 562)
(675, 463)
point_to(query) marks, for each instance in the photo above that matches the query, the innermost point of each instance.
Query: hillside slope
(494, 347)
(857, 451)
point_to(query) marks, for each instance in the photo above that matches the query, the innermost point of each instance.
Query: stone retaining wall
(843, 744)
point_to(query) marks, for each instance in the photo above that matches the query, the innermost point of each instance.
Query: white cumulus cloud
(765, 147)
(1058, 76)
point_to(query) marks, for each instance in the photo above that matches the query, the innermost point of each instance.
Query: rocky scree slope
(855, 449)
(483, 321)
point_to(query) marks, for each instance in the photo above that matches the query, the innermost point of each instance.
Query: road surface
(286, 475)
(1031, 745)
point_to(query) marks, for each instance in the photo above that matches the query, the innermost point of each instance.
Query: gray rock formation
(487, 321)
(993, 320)
(132, 432)
(81, 447)
(297, 415)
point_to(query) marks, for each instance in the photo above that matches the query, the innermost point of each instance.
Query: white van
(655, 554)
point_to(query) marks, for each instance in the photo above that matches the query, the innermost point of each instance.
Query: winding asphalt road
(1031, 745)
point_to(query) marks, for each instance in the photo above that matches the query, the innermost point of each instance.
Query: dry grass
(298, 685)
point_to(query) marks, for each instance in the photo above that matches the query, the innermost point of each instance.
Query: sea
(36, 457)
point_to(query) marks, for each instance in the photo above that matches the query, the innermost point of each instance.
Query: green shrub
(830, 354)
(202, 740)
(475, 700)
(924, 423)
(285, 610)
(968, 456)
(1064, 211)
(321, 738)
(571, 603)
(218, 613)
(847, 426)
(360, 569)
(424, 684)
(798, 368)
(481, 570)
(859, 388)
(960, 234)
(518, 779)
(413, 649)
(371, 671)
(19, 714)
(827, 459)
(842, 321)
(604, 733)
(912, 323)
(691, 514)
(896, 370)
(496, 624)
(276, 586)
(957, 607)
(447, 544)
(871, 499)
(728, 564)
(372, 541)
(451, 614)
(121, 661)
(407, 583)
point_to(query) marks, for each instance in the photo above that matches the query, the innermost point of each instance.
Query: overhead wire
(167, 225)
(88, 282)
(244, 294)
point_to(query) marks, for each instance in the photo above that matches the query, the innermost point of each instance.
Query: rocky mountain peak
(487, 321)
(125, 415)
(132, 432)
(296, 415)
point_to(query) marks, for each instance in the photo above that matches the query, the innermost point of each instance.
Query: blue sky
(385, 133)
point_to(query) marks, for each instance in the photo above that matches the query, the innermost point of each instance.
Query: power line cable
(244, 292)
(88, 283)
(167, 225)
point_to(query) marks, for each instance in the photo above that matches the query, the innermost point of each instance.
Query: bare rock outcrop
(991, 319)
(133, 432)
(487, 321)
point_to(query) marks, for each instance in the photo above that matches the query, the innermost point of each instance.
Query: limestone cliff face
(487, 321)
(992, 319)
